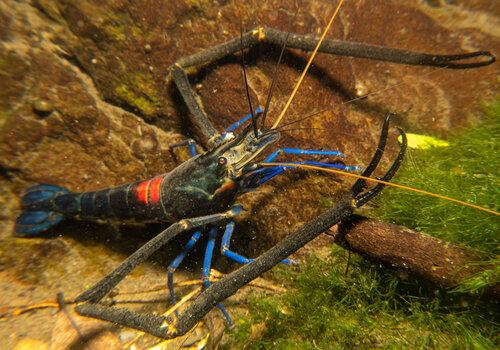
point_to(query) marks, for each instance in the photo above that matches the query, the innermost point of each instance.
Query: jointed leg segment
(240, 259)
(207, 263)
(177, 261)
(167, 327)
(207, 132)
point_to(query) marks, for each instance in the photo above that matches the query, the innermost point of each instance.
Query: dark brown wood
(441, 262)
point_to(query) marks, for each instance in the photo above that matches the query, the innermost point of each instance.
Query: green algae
(120, 27)
(138, 90)
(468, 169)
(369, 307)
(115, 29)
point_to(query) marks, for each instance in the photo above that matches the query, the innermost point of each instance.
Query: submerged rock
(42, 107)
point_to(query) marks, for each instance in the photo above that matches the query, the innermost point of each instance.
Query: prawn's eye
(222, 161)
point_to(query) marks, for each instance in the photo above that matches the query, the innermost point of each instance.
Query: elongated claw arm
(159, 326)
(205, 129)
(230, 284)
(167, 327)
(104, 286)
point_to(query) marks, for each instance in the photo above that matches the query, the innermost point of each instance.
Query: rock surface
(85, 103)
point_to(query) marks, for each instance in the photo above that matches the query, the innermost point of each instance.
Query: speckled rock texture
(86, 103)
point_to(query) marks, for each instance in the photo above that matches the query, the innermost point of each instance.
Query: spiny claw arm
(156, 325)
(199, 118)
(360, 184)
(205, 129)
(104, 286)
(230, 284)
(363, 198)
(381, 53)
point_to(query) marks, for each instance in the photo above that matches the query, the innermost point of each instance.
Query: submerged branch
(438, 261)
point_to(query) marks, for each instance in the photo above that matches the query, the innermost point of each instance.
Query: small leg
(240, 259)
(240, 122)
(327, 165)
(104, 286)
(177, 261)
(188, 142)
(207, 262)
(299, 151)
(276, 171)
(260, 176)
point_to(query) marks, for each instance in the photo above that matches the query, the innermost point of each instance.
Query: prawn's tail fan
(44, 206)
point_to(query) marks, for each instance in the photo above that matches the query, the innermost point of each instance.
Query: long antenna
(304, 72)
(254, 121)
(392, 184)
(376, 92)
(268, 100)
(275, 73)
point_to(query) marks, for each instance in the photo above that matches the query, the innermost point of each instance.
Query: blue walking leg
(207, 262)
(240, 259)
(188, 142)
(277, 171)
(238, 123)
(177, 261)
(327, 165)
(261, 175)
(299, 151)
(268, 173)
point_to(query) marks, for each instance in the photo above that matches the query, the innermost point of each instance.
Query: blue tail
(39, 214)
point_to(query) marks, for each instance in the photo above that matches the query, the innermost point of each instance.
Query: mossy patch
(120, 27)
(138, 90)
(468, 169)
(369, 307)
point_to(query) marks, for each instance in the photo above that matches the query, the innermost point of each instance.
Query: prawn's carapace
(203, 185)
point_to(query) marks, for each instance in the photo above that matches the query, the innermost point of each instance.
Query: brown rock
(42, 107)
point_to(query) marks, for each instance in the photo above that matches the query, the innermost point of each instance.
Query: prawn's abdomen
(46, 205)
(139, 201)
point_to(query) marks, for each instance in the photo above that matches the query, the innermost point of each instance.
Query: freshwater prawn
(200, 193)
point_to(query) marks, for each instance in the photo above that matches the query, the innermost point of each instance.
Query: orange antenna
(392, 184)
(304, 72)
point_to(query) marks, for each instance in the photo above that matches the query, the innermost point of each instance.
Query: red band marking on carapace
(141, 192)
(225, 187)
(154, 190)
